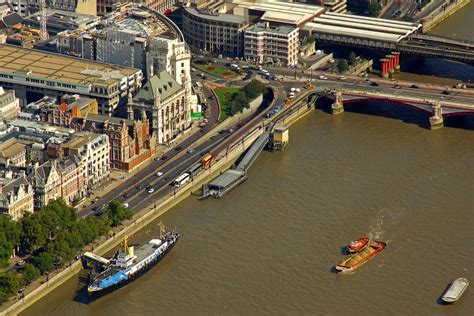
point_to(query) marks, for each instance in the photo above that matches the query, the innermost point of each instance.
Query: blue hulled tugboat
(131, 263)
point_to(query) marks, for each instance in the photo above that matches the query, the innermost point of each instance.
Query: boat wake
(376, 231)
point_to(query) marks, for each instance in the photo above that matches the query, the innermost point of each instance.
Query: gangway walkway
(253, 152)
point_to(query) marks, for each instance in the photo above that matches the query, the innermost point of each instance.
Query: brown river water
(268, 247)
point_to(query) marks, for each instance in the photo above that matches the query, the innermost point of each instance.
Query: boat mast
(162, 228)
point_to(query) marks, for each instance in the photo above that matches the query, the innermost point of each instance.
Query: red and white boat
(358, 245)
(358, 259)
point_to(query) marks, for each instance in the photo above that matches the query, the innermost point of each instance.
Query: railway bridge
(386, 36)
(437, 109)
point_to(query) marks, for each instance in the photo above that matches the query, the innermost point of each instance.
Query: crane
(43, 22)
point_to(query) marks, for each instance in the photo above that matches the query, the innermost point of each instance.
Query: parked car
(414, 86)
(323, 78)
(126, 195)
(375, 84)
(397, 86)
(150, 190)
(178, 148)
(140, 187)
(190, 151)
(164, 157)
(446, 92)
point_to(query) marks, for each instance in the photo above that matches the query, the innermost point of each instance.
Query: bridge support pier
(337, 107)
(436, 121)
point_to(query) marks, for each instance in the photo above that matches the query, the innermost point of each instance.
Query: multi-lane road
(180, 158)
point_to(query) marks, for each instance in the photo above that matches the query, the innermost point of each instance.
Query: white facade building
(9, 105)
(276, 44)
(94, 153)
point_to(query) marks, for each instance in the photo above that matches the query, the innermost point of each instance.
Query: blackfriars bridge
(438, 109)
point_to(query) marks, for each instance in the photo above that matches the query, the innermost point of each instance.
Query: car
(159, 174)
(156, 158)
(126, 195)
(164, 157)
(125, 205)
(20, 263)
(323, 78)
(230, 130)
(150, 190)
(221, 131)
(375, 84)
(241, 124)
(190, 151)
(414, 86)
(140, 187)
(193, 69)
(228, 64)
(446, 92)
(342, 78)
(178, 148)
(397, 86)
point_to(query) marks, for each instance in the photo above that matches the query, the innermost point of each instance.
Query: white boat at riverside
(455, 290)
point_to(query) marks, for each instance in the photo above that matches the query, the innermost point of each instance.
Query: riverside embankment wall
(141, 219)
(442, 14)
(151, 213)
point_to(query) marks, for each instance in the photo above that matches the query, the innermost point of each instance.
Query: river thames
(268, 247)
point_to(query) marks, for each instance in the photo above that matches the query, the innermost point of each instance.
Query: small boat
(358, 245)
(359, 258)
(455, 290)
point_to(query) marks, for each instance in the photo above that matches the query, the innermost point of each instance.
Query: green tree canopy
(342, 66)
(45, 262)
(117, 213)
(253, 89)
(30, 273)
(374, 8)
(9, 239)
(352, 58)
(9, 286)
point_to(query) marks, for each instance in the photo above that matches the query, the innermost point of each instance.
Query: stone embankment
(442, 14)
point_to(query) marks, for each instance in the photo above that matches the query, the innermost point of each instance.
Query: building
(214, 32)
(9, 105)
(73, 186)
(46, 183)
(22, 35)
(71, 106)
(105, 7)
(218, 26)
(33, 74)
(276, 44)
(135, 37)
(94, 152)
(161, 6)
(16, 197)
(12, 153)
(130, 141)
(59, 20)
(163, 101)
(27, 7)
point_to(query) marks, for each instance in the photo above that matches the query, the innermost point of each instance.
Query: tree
(9, 239)
(352, 58)
(30, 273)
(9, 286)
(241, 101)
(253, 89)
(45, 262)
(33, 233)
(117, 213)
(374, 8)
(342, 66)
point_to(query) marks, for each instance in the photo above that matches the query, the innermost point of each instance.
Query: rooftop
(222, 18)
(263, 27)
(80, 141)
(161, 85)
(363, 27)
(43, 65)
(11, 148)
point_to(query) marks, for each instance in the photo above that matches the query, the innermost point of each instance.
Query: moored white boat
(455, 290)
